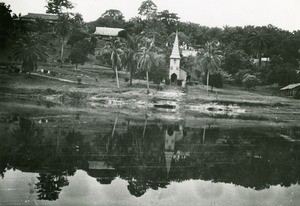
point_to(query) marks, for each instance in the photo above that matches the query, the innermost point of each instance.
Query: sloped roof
(106, 31)
(175, 51)
(52, 17)
(291, 86)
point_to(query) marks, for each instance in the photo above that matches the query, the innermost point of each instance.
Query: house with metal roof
(33, 16)
(291, 90)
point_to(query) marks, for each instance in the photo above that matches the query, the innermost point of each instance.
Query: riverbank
(97, 89)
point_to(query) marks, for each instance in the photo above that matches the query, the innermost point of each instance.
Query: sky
(284, 14)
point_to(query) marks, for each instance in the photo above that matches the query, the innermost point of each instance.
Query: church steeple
(175, 51)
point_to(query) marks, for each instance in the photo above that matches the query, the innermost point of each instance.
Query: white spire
(175, 51)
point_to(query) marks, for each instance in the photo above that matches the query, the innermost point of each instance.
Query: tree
(113, 14)
(211, 60)
(258, 41)
(29, 49)
(169, 19)
(158, 73)
(77, 56)
(148, 58)
(235, 60)
(63, 28)
(6, 24)
(130, 60)
(250, 81)
(215, 80)
(80, 50)
(57, 6)
(115, 49)
(148, 9)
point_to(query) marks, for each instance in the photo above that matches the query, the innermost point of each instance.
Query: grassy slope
(258, 103)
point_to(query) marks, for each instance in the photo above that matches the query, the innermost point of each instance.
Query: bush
(168, 81)
(250, 81)
(239, 76)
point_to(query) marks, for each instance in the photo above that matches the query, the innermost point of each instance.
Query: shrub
(168, 81)
(250, 81)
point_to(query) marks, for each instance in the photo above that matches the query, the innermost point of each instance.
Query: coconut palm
(148, 58)
(115, 49)
(258, 42)
(130, 60)
(63, 29)
(30, 49)
(211, 60)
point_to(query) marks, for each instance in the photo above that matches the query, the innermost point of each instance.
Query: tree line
(247, 56)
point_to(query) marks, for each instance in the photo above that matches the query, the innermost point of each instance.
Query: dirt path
(58, 79)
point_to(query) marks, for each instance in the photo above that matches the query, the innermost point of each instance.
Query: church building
(175, 72)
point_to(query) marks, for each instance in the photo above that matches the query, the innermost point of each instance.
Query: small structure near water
(291, 90)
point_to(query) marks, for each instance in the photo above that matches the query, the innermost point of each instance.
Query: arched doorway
(173, 77)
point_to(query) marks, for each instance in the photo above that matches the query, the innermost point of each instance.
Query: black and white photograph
(149, 103)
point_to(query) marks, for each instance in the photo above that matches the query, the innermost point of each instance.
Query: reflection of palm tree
(113, 132)
(145, 126)
(203, 137)
(26, 131)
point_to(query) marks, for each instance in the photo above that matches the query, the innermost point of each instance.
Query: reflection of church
(172, 134)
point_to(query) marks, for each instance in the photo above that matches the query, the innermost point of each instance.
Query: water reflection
(149, 154)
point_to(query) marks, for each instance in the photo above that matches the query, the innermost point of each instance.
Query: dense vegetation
(245, 56)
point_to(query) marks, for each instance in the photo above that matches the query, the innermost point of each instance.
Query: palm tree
(132, 48)
(115, 49)
(63, 28)
(211, 60)
(258, 42)
(30, 49)
(148, 58)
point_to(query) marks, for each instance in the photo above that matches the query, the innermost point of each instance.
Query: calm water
(125, 160)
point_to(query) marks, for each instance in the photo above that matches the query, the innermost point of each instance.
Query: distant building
(264, 61)
(109, 32)
(175, 72)
(189, 52)
(34, 16)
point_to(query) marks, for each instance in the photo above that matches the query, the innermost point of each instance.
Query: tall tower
(174, 73)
